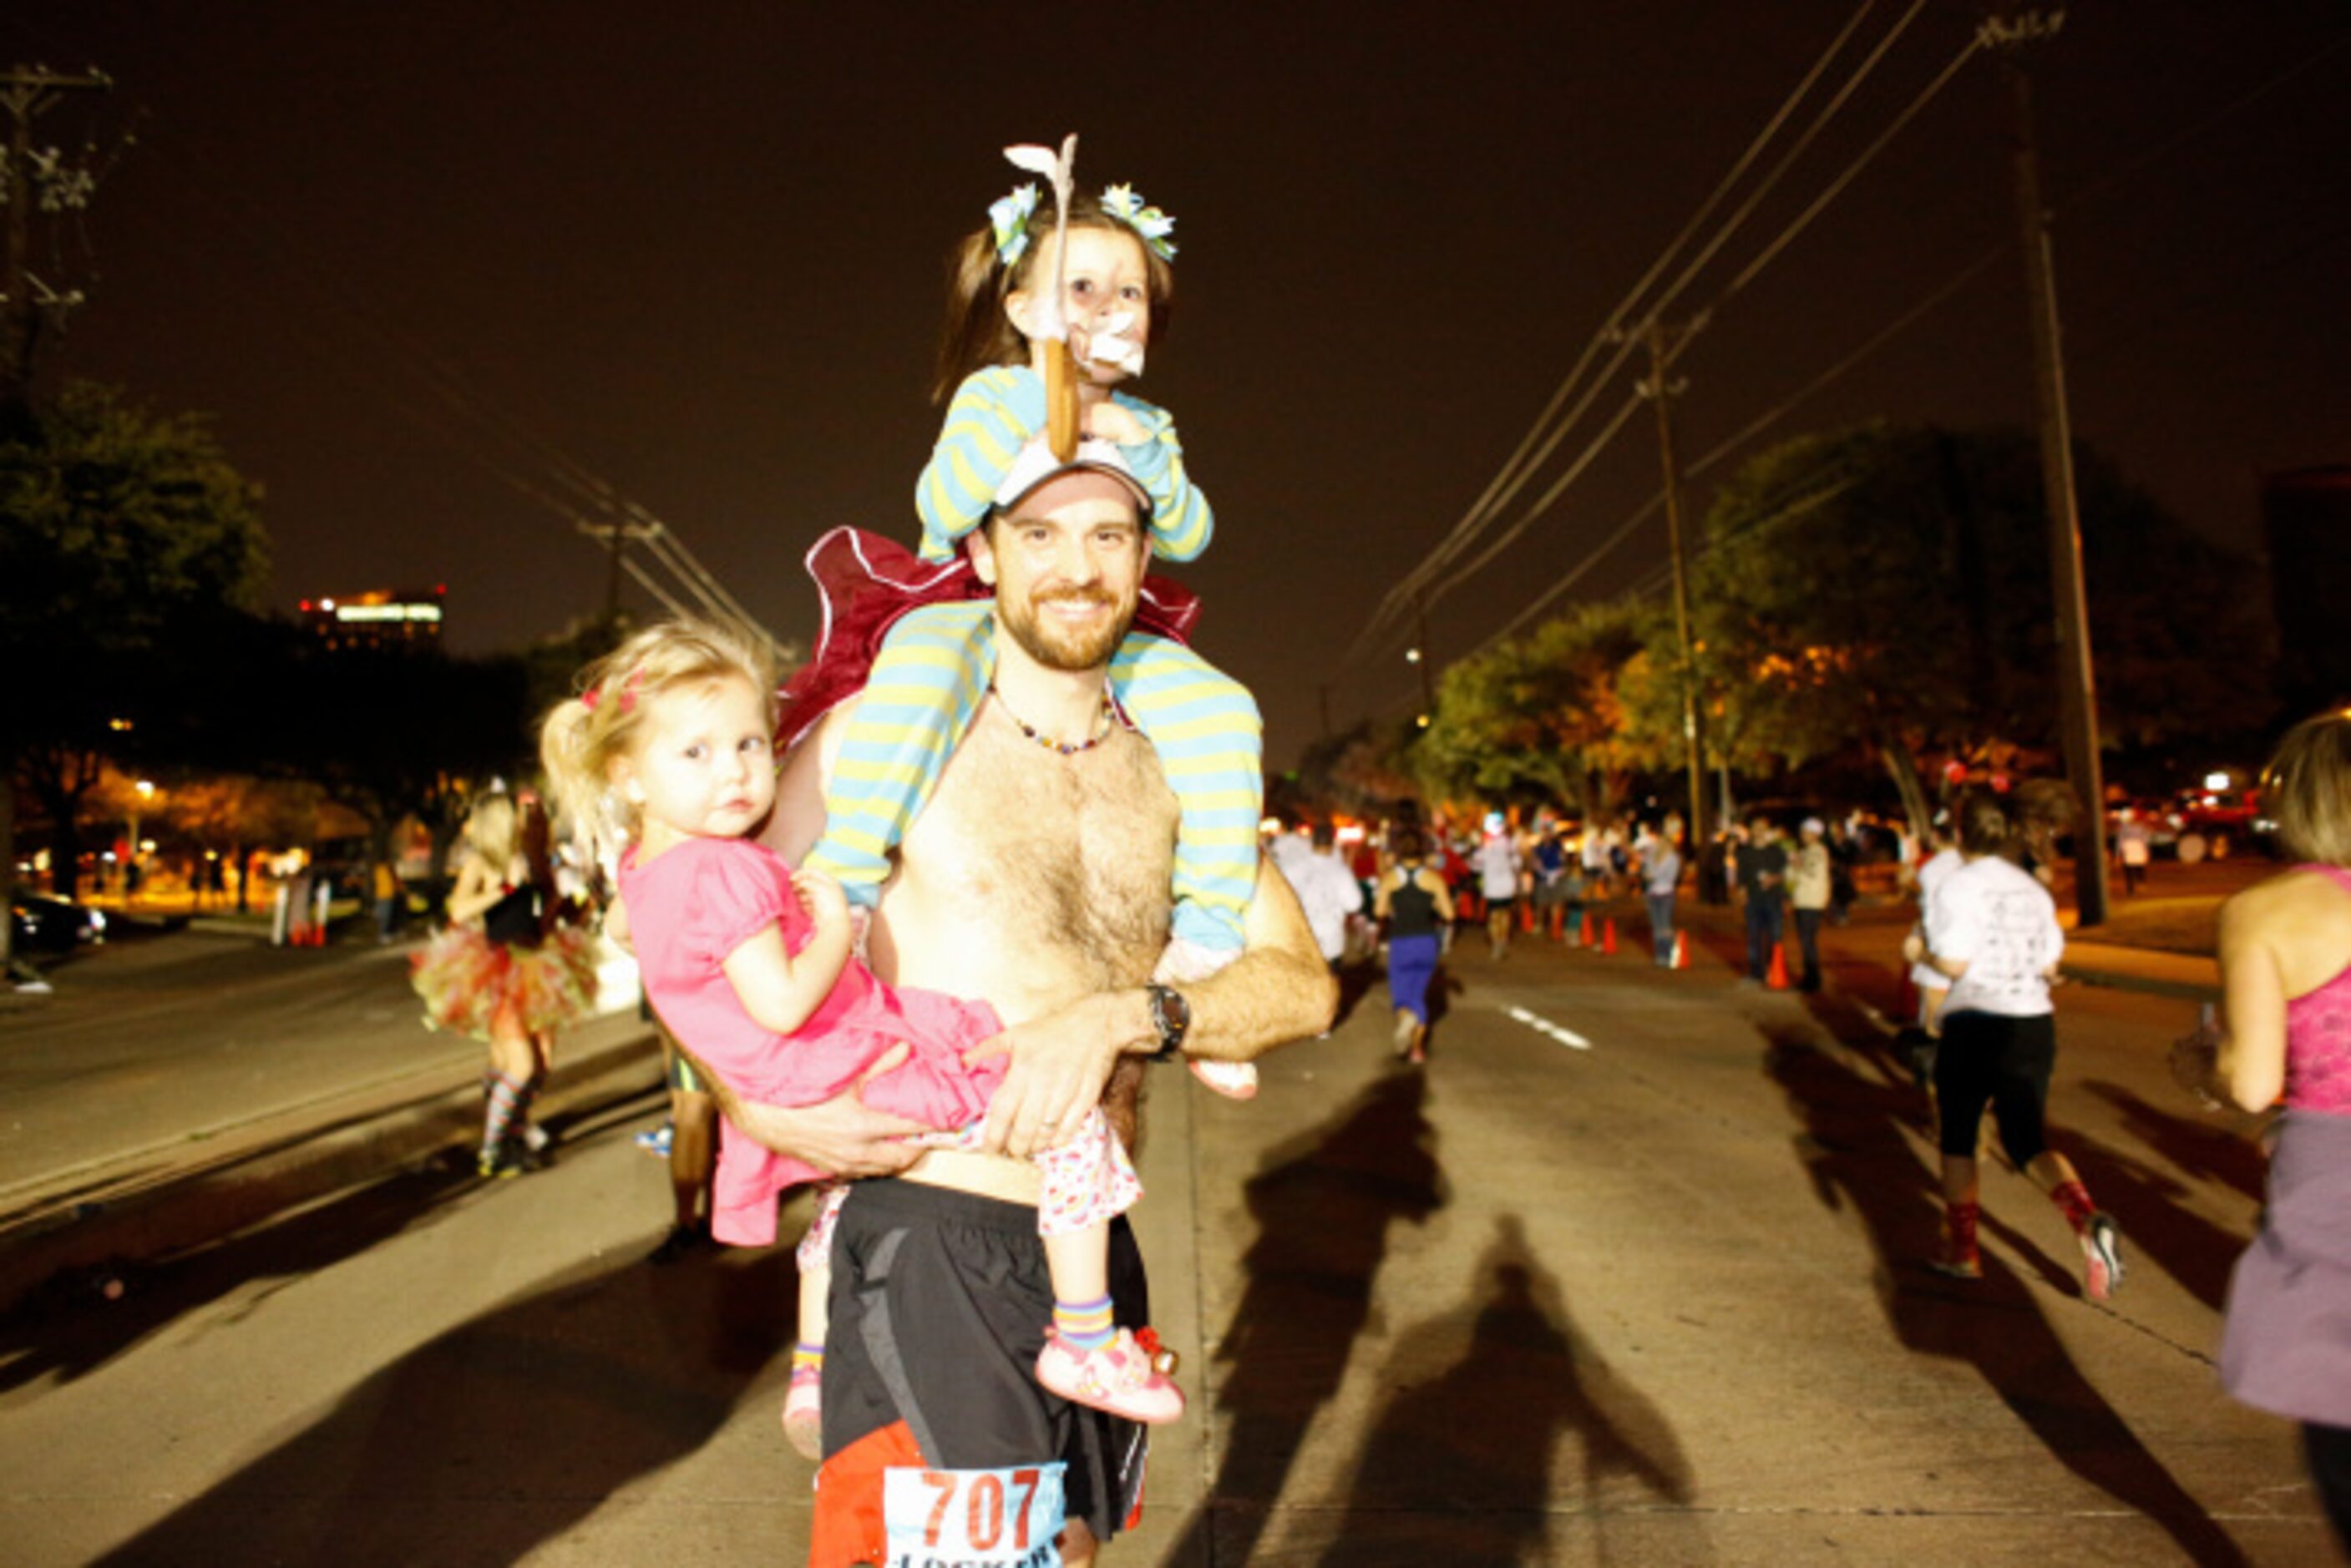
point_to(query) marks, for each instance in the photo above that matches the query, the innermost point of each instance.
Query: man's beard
(1063, 647)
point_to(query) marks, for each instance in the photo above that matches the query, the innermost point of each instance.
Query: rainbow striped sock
(806, 1359)
(1084, 1325)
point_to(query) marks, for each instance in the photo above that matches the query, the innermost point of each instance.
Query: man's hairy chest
(1069, 855)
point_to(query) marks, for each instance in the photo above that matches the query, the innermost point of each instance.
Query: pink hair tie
(595, 694)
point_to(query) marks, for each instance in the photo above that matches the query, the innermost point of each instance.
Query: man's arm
(841, 1135)
(1278, 990)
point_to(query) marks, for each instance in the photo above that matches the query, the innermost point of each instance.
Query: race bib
(973, 1518)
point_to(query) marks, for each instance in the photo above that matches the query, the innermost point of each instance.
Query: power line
(1519, 467)
(1370, 640)
(1741, 437)
(1836, 187)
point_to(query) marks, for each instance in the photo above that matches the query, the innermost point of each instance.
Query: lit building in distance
(378, 618)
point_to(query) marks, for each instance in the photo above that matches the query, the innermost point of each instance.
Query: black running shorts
(940, 1301)
(1987, 1059)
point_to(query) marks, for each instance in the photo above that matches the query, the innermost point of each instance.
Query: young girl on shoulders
(672, 745)
(936, 665)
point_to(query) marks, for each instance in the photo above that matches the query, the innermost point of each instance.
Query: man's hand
(1060, 1063)
(841, 1135)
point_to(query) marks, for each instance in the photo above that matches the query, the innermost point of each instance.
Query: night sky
(416, 256)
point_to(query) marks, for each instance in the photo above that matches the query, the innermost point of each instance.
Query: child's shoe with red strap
(1121, 1377)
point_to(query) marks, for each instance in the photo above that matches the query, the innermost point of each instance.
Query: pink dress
(690, 908)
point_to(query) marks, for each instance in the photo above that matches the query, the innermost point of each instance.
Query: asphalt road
(1628, 1274)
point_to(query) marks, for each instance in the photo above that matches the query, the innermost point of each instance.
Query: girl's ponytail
(976, 332)
(575, 775)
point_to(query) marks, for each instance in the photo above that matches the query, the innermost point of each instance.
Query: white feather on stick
(1056, 169)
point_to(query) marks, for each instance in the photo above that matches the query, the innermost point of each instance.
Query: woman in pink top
(2286, 974)
(749, 963)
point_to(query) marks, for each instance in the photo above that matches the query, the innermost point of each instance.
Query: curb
(2151, 985)
(224, 1186)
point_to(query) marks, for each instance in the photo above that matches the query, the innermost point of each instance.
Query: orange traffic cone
(1526, 916)
(1681, 951)
(1584, 936)
(1608, 937)
(1558, 922)
(1778, 979)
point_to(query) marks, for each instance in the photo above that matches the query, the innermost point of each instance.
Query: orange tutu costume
(466, 980)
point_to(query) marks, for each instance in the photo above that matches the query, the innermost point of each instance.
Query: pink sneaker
(1119, 1378)
(804, 1414)
(1234, 1080)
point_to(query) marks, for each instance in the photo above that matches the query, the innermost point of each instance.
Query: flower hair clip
(1008, 217)
(1150, 224)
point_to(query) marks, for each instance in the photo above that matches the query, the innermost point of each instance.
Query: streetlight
(1412, 657)
(145, 791)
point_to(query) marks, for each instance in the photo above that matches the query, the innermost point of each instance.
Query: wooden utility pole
(2013, 30)
(616, 536)
(1662, 341)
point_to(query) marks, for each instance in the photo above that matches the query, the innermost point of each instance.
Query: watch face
(1170, 1011)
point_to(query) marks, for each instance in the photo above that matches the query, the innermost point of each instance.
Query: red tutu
(465, 979)
(866, 583)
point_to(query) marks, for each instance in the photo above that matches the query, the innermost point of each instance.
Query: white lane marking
(1544, 1025)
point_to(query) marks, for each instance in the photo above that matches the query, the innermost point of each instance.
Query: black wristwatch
(1172, 1016)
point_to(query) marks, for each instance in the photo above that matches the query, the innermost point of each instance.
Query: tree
(1364, 772)
(122, 532)
(1541, 714)
(398, 733)
(1888, 586)
(229, 815)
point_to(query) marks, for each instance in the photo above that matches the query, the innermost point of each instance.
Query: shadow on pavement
(504, 1433)
(2195, 1144)
(1323, 1205)
(1473, 1451)
(2146, 1203)
(1853, 1108)
(1355, 983)
(70, 1327)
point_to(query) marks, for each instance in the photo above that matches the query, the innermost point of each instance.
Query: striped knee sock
(497, 1116)
(1084, 1325)
(526, 1093)
(807, 1361)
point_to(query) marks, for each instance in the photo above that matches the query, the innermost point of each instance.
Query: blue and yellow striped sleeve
(1181, 522)
(990, 420)
(1206, 728)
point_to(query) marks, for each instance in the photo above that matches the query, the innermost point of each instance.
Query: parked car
(43, 922)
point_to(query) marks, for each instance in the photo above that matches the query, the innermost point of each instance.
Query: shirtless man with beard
(1038, 880)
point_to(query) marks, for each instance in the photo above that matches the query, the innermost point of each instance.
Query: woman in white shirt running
(1993, 930)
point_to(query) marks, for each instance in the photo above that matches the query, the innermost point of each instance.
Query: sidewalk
(1874, 935)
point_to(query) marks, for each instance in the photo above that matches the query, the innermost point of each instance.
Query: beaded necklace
(1105, 719)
